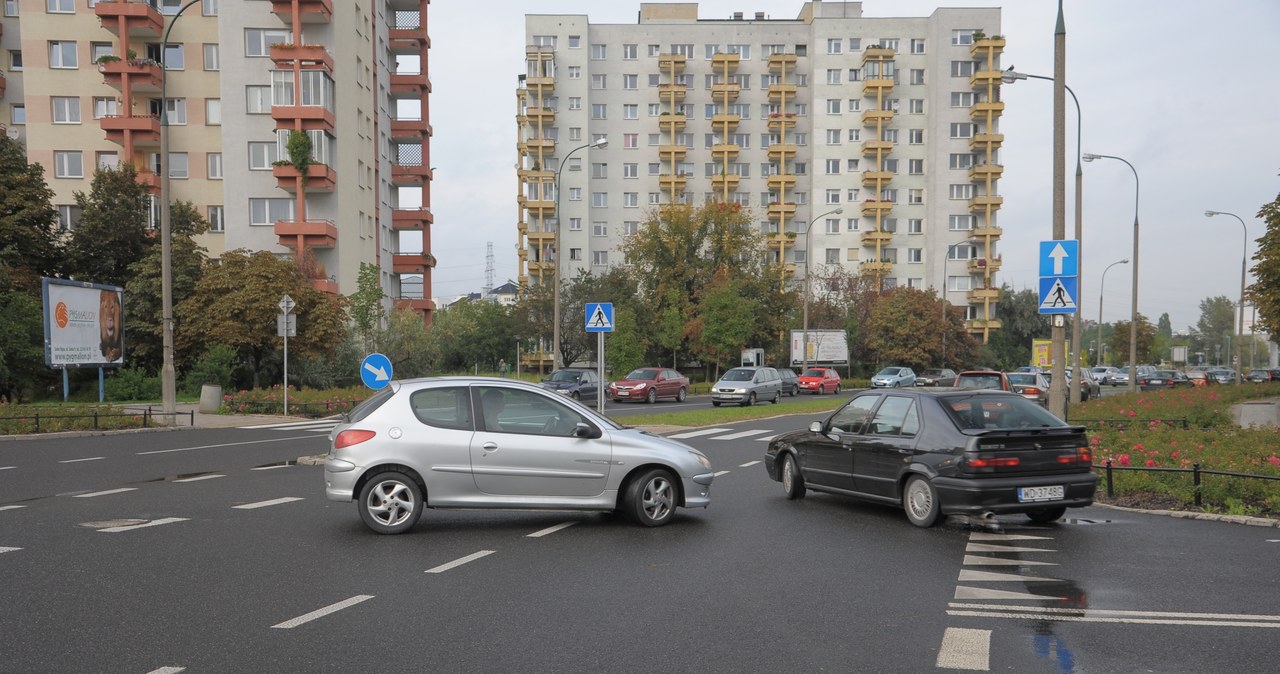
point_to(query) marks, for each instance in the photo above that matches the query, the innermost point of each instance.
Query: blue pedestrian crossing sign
(599, 317)
(1060, 258)
(375, 371)
(1058, 295)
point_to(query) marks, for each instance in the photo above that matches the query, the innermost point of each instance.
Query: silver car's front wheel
(651, 498)
(391, 502)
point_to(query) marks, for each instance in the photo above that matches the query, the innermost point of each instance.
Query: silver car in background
(745, 385)
(479, 442)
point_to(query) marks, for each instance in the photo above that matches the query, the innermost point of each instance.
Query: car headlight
(706, 463)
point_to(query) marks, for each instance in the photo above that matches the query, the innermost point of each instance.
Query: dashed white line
(4, 550)
(1039, 610)
(460, 561)
(320, 613)
(1115, 616)
(694, 434)
(278, 465)
(719, 473)
(199, 478)
(550, 530)
(264, 504)
(965, 649)
(963, 592)
(983, 536)
(168, 670)
(225, 444)
(766, 438)
(11, 507)
(107, 492)
(7, 467)
(91, 458)
(748, 464)
(152, 523)
(740, 434)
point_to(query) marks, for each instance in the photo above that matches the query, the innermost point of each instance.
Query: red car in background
(649, 384)
(820, 380)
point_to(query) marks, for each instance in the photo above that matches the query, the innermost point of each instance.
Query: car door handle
(489, 446)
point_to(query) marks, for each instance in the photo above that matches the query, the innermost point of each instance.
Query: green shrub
(132, 383)
(216, 366)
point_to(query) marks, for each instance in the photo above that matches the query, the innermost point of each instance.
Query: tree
(1119, 343)
(1265, 290)
(904, 330)
(1021, 323)
(112, 234)
(28, 240)
(406, 343)
(1217, 325)
(236, 302)
(366, 305)
(726, 319)
(22, 365)
(144, 301)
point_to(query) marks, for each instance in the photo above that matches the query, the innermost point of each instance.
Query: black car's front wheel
(920, 502)
(391, 502)
(651, 498)
(1047, 515)
(792, 481)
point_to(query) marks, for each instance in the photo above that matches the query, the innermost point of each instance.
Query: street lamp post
(808, 255)
(555, 292)
(1243, 262)
(1101, 287)
(1009, 77)
(1133, 318)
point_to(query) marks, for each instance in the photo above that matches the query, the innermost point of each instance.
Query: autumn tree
(112, 234)
(406, 343)
(906, 328)
(1217, 325)
(1119, 342)
(1265, 290)
(726, 318)
(1021, 324)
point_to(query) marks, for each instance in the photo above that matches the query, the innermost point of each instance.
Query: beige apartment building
(81, 84)
(867, 144)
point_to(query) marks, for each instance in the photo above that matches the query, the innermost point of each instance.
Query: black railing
(311, 410)
(147, 416)
(1123, 424)
(1195, 471)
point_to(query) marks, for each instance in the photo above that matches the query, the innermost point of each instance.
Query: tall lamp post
(1102, 287)
(168, 374)
(1133, 318)
(555, 293)
(942, 293)
(808, 255)
(1011, 76)
(1243, 261)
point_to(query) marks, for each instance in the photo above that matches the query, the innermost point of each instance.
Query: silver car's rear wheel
(391, 502)
(651, 498)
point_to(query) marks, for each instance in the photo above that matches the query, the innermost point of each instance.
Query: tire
(920, 502)
(651, 498)
(792, 481)
(751, 399)
(390, 502)
(682, 395)
(715, 403)
(837, 392)
(575, 395)
(776, 397)
(822, 390)
(1047, 515)
(652, 397)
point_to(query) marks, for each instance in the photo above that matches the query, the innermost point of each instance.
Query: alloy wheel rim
(657, 499)
(390, 503)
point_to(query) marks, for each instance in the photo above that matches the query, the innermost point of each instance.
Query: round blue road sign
(375, 371)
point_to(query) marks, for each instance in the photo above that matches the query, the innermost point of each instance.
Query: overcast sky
(1185, 91)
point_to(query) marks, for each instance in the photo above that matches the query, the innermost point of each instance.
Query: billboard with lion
(83, 324)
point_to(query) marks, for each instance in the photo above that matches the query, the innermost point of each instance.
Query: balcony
(877, 86)
(543, 85)
(876, 118)
(877, 53)
(311, 56)
(984, 141)
(722, 182)
(725, 91)
(781, 181)
(876, 147)
(410, 85)
(669, 181)
(327, 286)
(983, 79)
(725, 151)
(136, 19)
(872, 207)
(782, 120)
(2, 85)
(410, 174)
(406, 34)
(876, 237)
(672, 152)
(669, 91)
(671, 62)
(536, 175)
(981, 48)
(982, 109)
(309, 117)
(536, 145)
(408, 128)
(142, 129)
(542, 208)
(312, 11)
(876, 178)
(980, 295)
(781, 151)
(141, 75)
(981, 172)
(150, 180)
(983, 203)
(780, 91)
(725, 120)
(536, 115)
(877, 268)
(412, 263)
(320, 177)
(782, 62)
(313, 233)
(983, 265)
(982, 324)
(421, 305)
(671, 122)
(722, 62)
(781, 209)
(411, 219)
(983, 231)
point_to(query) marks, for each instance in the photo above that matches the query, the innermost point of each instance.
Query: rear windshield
(1022, 379)
(814, 373)
(889, 372)
(565, 375)
(976, 412)
(980, 381)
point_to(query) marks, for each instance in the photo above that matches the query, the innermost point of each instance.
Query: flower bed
(306, 403)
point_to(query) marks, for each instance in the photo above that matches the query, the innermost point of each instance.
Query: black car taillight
(981, 463)
(351, 437)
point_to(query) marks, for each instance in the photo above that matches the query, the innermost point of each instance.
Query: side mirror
(815, 427)
(584, 430)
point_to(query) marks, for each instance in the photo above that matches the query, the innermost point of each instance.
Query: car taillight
(992, 462)
(1032, 390)
(1082, 455)
(352, 437)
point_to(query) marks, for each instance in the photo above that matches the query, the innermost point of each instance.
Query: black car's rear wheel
(792, 481)
(920, 502)
(1046, 515)
(391, 502)
(651, 498)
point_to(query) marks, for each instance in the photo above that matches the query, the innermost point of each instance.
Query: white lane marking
(550, 530)
(107, 492)
(11, 507)
(168, 670)
(719, 473)
(747, 464)
(1120, 612)
(983, 536)
(7, 467)
(199, 478)
(983, 547)
(279, 465)
(971, 575)
(4, 550)
(976, 560)
(1273, 540)
(740, 434)
(92, 458)
(965, 649)
(1101, 619)
(264, 504)
(766, 438)
(460, 561)
(226, 444)
(152, 523)
(297, 425)
(694, 434)
(963, 592)
(320, 613)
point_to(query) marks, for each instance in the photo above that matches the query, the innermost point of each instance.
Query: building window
(915, 226)
(258, 41)
(962, 37)
(599, 170)
(598, 52)
(915, 255)
(599, 199)
(99, 49)
(915, 167)
(105, 107)
(630, 111)
(68, 217)
(62, 54)
(630, 141)
(915, 106)
(833, 45)
(630, 170)
(630, 52)
(599, 229)
(108, 160)
(66, 109)
(961, 192)
(10, 7)
(631, 200)
(598, 111)
(212, 57)
(598, 82)
(962, 99)
(217, 217)
(213, 111)
(962, 161)
(575, 103)
(575, 194)
(178, 166)
(68, 164)
(176, 112)
(962, 253)
(915, 197)
(575, 224)
(833, 76)
(889, 43)
(268, 211)
(630, 81)
(833, 136)
(917, 46)
(961, 129)
(833, 167)
(214, 162)
(61, 6)
(600, 258)
(917, 75)
(575, 72)
(262, 156)
(257, 100)
(960, 223)
(833, 106)
(962, 68)
(209, 8)
(575, 41)
(575, 253)
(833, 196)
(851, 225)
(15, 60)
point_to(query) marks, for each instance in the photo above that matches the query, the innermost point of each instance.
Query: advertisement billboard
(826, 347)
(83, 324)
(1042, 352)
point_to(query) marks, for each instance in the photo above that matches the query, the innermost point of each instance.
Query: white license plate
(623, 394)
(1050, 493)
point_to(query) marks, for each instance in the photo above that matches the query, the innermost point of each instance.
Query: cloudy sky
(1185, 91)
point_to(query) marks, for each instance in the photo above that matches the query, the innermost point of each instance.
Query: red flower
(1151, 463)
(1123, 460)
(1274, 460)
(1173, 455)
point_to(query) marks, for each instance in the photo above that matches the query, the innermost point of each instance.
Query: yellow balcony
(877, 268)
(874, 147)
(720, 121)
(539, 207)
(537, 175)
(782, 62)
(720, 182)
(782, 120)
(541, 237)
(719, 62)
(983, 141)
(538, 116)
(981, 48)
(876, 178)
(725, 91)
(781, 181)
(777, 91)
(781, 151)
(671, 91)
(535, 145)
(986, 78)
(876, 237)
(671, 122)
(670, 62)
(871, 207)
(877, 117)
(982, 265)
(780, 209)
(668, 181)
(725, 151)
(670, 152)
(982, 109)
(878, 86)
(543, 85)
(981, 172)
(983, 231)
(979, 295)
(877, 53)
(982, 324)
(985, 202)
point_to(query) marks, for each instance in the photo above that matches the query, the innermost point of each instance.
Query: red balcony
(313, 233)
(142, 129)
(311, 117)
(150, 180)
(324, 285)
(410, 85)
(139, 75)
(411, 129)
(320, 177)
(2, 85)
(312, 56)
(422, 305)
(410, 174)
(135, 18)
(409, 38)
(310, 11)
(411, 219)
(412, 263)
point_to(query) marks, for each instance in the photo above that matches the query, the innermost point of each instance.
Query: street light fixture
(1133, 319)
(1243, 261)
(808, 255)
(555, 294)
(1101, 287)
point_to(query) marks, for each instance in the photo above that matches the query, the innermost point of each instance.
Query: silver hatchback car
(478, 442)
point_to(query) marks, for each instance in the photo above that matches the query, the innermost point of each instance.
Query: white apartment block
(892, 122)
(81, 84)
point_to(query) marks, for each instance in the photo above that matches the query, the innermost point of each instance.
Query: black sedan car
(941, 453)
(936, 376)
(1162, 379)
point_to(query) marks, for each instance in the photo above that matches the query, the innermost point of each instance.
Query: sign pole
(286, 306)
(600, 367)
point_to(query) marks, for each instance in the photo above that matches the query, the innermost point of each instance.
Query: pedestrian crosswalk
(310, 425)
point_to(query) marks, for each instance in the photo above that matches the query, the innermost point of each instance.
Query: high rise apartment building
(81, 84)
(878, 134)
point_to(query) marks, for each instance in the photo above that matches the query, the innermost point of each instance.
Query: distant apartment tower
(892, 120)
(80, 87)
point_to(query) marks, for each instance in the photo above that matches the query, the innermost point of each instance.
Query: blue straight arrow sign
(1060, 258)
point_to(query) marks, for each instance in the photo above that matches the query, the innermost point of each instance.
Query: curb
(1246, 520)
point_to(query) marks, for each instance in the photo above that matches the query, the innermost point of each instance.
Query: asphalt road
(223, 556)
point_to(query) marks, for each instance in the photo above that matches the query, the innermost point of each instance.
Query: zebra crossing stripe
(739, 434)
(315, 424)
(983, 547)
(694, 434)
(971, 575)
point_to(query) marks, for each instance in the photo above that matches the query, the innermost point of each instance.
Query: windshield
(1023, 378)
(979, 381)
(814, 373)
(565, 375)
(976, 412)
(643, 374)
(888, 372)
(738, 374)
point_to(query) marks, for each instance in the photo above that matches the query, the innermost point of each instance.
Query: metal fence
(146, 415)
(1195, 470)
(1123, 424)
(312, 410)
